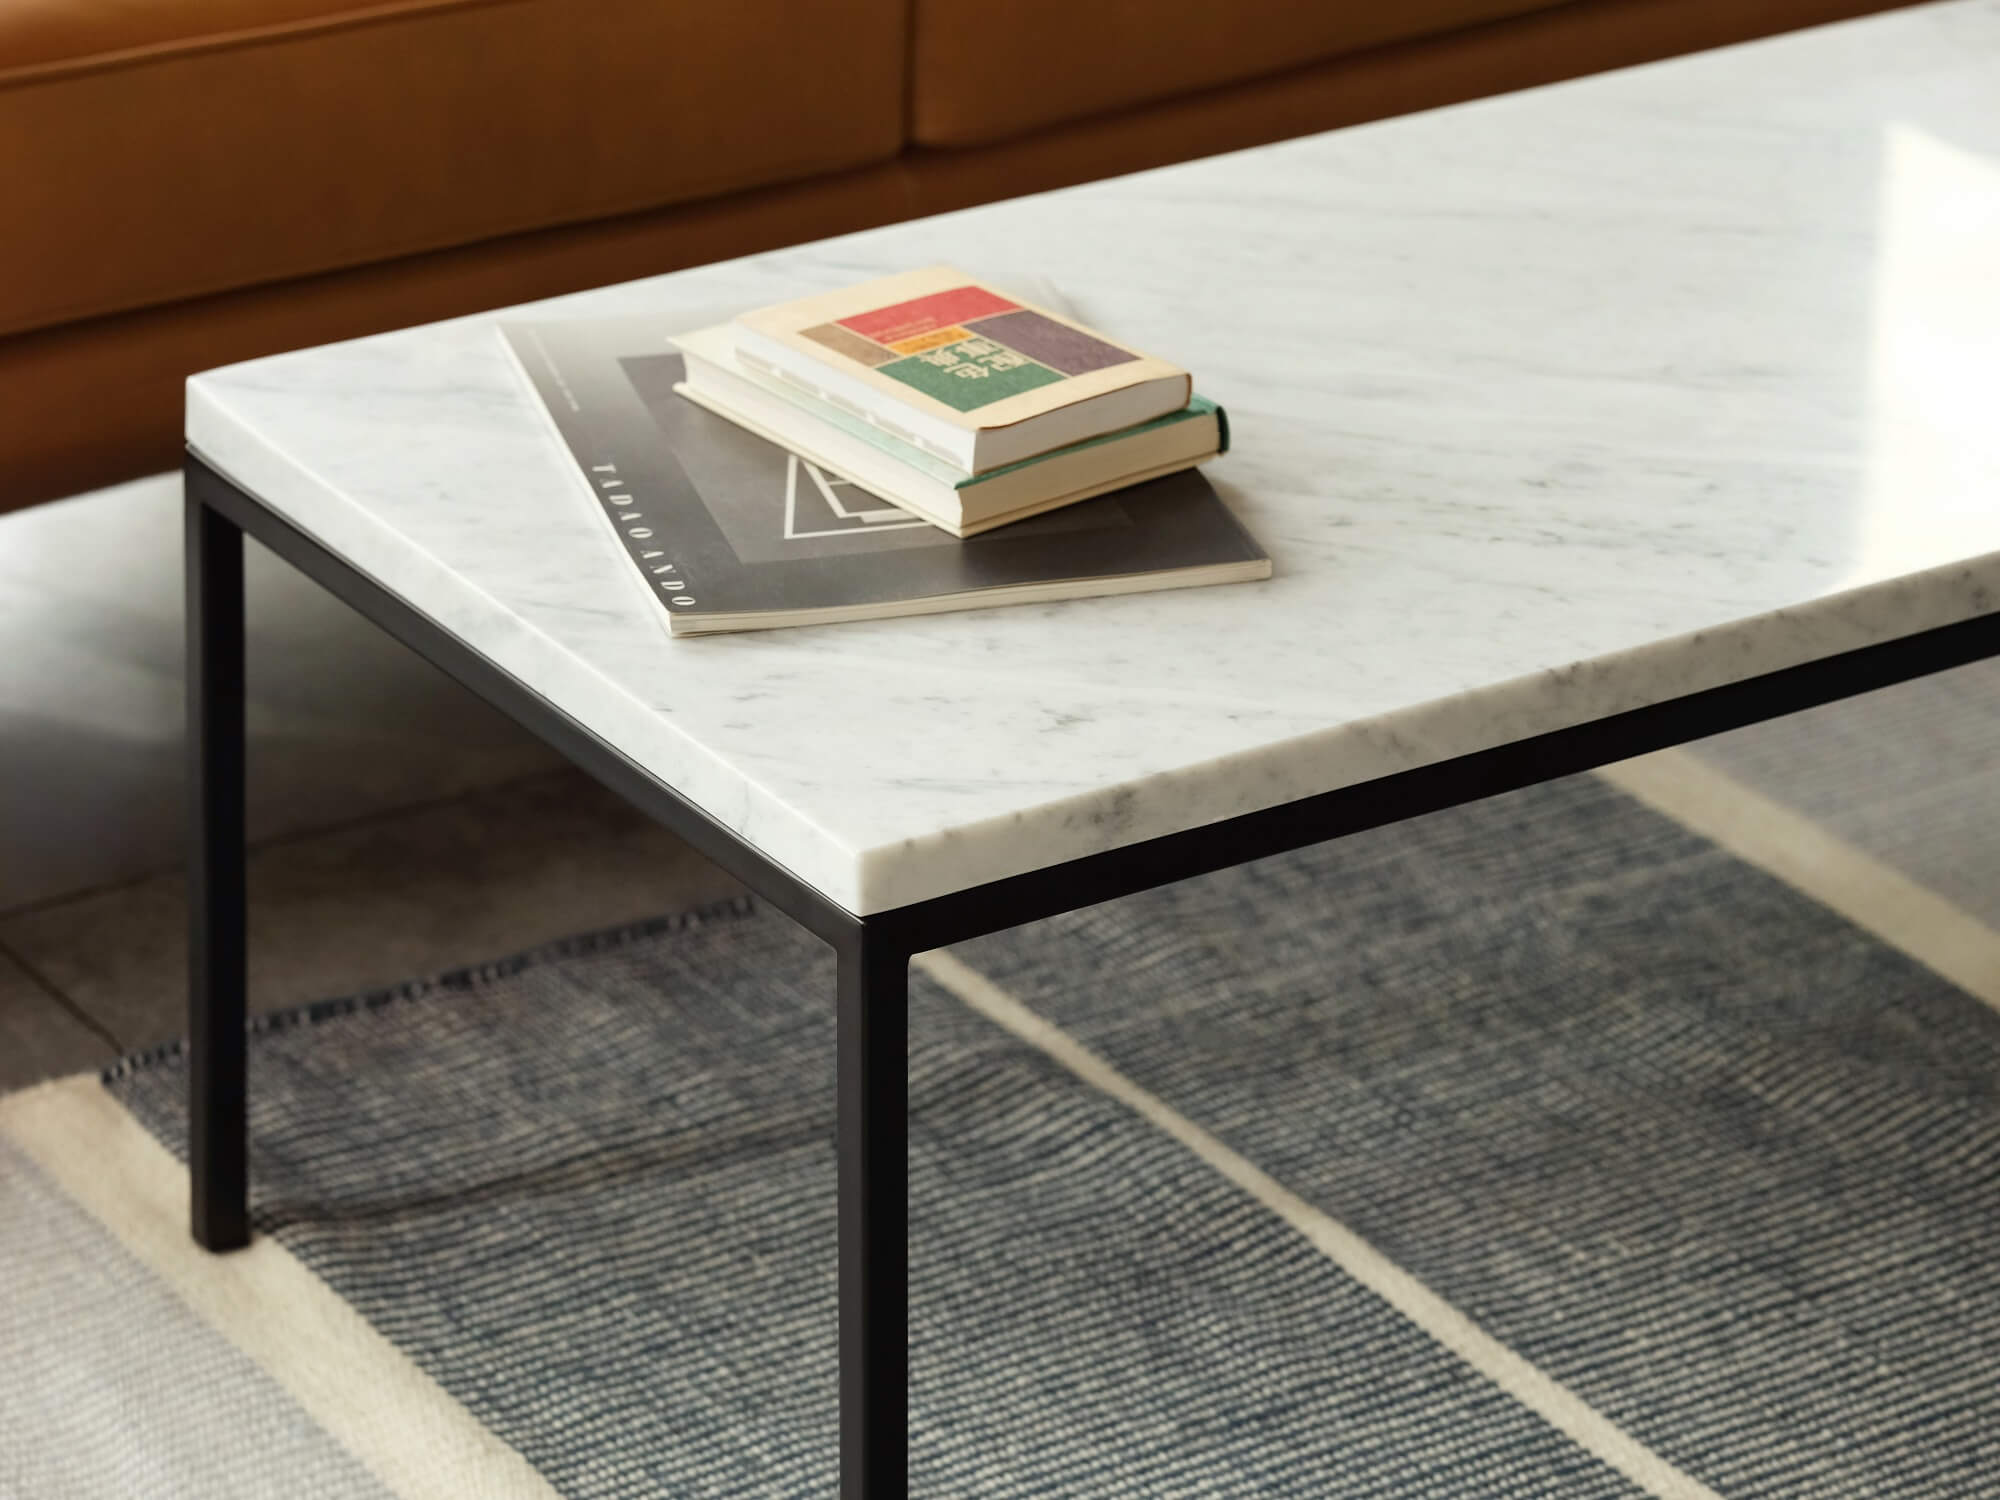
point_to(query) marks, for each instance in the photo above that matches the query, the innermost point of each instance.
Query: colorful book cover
(938, 337)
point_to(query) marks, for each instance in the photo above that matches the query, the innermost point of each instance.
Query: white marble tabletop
(1546, 407)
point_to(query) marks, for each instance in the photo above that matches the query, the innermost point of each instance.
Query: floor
(399, 827)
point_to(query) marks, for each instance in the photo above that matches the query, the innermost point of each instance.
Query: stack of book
(912, 445)
(960, 404)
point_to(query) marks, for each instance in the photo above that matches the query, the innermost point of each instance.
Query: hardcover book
(949, 365)
(725, 530)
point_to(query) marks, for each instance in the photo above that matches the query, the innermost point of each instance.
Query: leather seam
(239, 39)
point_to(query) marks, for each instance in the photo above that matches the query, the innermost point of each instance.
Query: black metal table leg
(873, 1109)
(217, 1100)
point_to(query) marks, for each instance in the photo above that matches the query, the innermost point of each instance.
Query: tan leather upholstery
(190, 211)
(95, 402)
(154, 151)
(986, 72)
(1542, 47)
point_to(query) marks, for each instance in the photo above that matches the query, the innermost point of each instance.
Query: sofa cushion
(152, 151)
(95, 402)
(984, 73)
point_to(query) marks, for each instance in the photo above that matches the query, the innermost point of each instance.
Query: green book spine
(944, 473)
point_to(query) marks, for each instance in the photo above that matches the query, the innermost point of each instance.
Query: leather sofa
(185, 183)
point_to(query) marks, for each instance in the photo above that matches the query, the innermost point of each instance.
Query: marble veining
(1546, 407)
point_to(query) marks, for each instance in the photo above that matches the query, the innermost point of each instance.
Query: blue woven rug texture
(1721, 1164)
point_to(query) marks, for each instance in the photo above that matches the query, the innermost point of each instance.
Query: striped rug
(1631, 1136)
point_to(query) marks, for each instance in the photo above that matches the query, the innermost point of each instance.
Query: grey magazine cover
(732, 532)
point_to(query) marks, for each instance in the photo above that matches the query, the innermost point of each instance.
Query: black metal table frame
(873, 952)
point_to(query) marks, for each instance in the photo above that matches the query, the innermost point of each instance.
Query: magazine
(728, 531)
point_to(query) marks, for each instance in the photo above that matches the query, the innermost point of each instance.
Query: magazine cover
(731, 532)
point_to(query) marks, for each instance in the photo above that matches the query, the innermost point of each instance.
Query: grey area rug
(1723, 1164)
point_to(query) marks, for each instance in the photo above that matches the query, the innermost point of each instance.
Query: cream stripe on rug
(1527, 1383)
(1943, 937)
(395, 1420)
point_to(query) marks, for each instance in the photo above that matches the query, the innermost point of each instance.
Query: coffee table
(1579, 423)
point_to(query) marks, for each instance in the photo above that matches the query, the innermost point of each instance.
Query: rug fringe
(451, 981)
